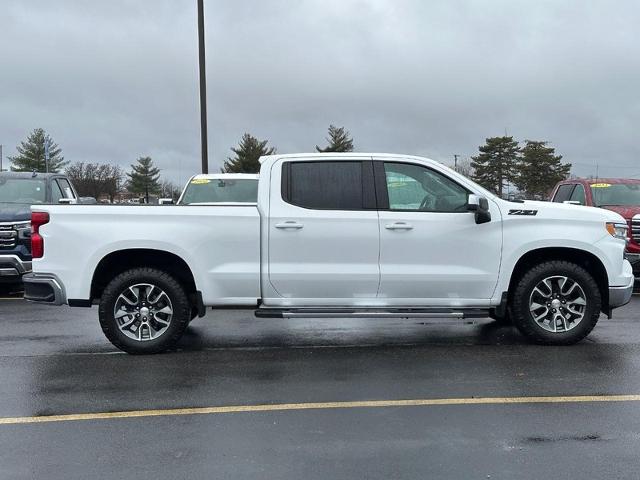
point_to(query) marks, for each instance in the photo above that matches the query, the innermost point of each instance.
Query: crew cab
(335, 235)
(18, 191)
(620, 195)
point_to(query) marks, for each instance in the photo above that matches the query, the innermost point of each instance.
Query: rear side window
(563, 193)
(327, 185)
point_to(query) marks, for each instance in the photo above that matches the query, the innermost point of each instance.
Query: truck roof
(342, 155)
(232, 176)
(29, 174)
(613, 181)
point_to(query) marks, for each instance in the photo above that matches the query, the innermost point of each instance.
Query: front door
(323, 232)
(431, 250)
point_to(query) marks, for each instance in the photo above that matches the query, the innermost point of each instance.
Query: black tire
(177, 324)
(524, 320)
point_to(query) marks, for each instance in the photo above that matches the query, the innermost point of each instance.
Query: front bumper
(619, 296)
(44, 288)
(12, 267)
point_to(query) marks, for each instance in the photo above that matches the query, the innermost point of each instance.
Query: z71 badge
(523, 212)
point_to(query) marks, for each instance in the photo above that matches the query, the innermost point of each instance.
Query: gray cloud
(114, 80)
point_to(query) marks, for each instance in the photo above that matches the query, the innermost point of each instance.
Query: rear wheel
(556, 303)
(144, 311)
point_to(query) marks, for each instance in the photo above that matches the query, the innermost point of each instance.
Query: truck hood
(14, 212)
(628, 212)
(559, 211)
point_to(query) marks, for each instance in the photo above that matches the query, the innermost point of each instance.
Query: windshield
(624, 194)
(22, 190)
(211, 190)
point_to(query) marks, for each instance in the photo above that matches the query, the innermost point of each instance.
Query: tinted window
(563, 193)
(578, 195)
(324, 185)
(414, 187)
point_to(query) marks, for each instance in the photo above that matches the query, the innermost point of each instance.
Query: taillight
(37, 242)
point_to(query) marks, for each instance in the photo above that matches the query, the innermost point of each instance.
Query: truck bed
(220, 244)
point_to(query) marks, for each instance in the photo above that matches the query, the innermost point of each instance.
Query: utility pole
(0, 157)
(46, 154)
(455, 162)
(203, 89)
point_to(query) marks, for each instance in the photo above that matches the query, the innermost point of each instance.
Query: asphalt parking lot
(263, 398)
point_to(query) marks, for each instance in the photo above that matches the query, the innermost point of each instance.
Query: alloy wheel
(557, 304)
(143, 312)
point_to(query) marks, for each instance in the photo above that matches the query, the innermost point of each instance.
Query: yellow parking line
(317, 406)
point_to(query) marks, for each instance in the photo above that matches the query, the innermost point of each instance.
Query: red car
(621, 195)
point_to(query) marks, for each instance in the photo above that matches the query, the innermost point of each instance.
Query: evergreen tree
(247, 155)
(31, 154)
(539, 169)
(339, 141)
(144, 178)
(496, 164)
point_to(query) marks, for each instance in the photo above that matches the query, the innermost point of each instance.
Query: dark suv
(18, 191)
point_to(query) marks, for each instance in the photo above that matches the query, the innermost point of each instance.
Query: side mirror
(479, 205)
(165, 201)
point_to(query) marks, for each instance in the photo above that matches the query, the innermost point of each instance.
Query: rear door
(432, 252)
(323, 232)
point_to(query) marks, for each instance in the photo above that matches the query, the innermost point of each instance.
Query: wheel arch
(122, 260)
(585, 259)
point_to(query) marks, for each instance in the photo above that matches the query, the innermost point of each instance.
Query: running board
(446, 313)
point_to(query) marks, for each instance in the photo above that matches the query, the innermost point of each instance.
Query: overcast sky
(113, 80)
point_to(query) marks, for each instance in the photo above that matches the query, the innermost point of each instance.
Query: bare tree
(168, 189)
(96, 179)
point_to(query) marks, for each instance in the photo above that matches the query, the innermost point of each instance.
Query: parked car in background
(621, 195)
(217, 188)
(18, 191)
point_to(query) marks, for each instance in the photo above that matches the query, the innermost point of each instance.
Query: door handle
(399, 226)
(289, 224)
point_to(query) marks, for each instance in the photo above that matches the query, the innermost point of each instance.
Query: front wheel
(556, 303)
(144, 311)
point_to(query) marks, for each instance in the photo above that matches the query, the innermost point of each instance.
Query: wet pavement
(56, 361)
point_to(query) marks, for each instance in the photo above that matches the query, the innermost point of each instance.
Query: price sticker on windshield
(600, 185)
(200, 181)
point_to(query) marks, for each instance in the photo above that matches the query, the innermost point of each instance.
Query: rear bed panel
(221, 245)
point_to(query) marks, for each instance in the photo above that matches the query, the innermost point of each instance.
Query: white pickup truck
(335, 235)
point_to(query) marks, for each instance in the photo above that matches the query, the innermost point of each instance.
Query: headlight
(618, 230)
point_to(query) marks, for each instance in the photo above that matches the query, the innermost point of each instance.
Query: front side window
(563, 193)
(65, 187)
(414, 187)
(324, 185)
(56, 192)
(578, 195)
